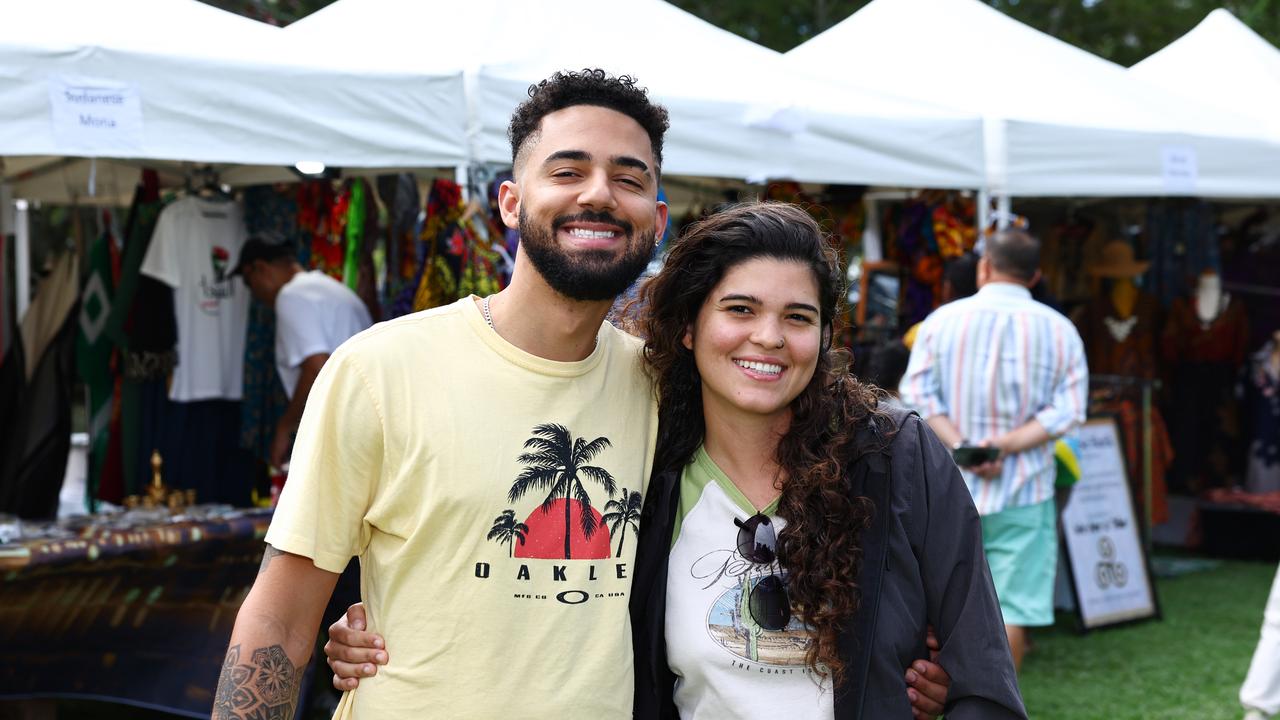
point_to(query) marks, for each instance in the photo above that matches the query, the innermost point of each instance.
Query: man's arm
(273, 638)
(287, 425)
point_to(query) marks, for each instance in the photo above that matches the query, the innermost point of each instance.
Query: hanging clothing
(144, 330)
(1262, 403)
(37, 397)
(1128, 414)
(1204, 358)
(194, 243)
(267, 211)
(1124, 346)
(94, 352)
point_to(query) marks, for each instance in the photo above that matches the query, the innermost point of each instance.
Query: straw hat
(1118, 262)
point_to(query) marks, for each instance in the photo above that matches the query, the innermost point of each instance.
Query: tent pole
(461, 176)
(984, 211)
(1003, 208)
(22, 258)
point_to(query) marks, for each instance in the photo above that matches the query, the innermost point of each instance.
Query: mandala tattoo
(265, 689)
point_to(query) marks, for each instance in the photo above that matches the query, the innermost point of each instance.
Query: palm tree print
(506, 529)
(557, 463)
(623, 512)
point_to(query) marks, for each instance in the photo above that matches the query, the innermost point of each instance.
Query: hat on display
(268, 247)
(1118, 262)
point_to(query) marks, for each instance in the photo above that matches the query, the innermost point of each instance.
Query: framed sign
(1109, 573)
(880, 292)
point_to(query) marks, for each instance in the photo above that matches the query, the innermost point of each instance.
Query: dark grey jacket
(922, 564)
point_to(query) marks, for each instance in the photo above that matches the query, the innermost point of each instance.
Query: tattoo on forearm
(267, 556)
(264, 689)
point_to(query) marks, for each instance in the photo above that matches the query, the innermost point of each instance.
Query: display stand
(1109, 568)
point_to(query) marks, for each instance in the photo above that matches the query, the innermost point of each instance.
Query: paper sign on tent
(94, 115)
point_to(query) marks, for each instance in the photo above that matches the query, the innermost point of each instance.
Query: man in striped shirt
(1002, 370)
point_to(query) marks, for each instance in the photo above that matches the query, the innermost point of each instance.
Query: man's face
(585, 202)
(255, 276)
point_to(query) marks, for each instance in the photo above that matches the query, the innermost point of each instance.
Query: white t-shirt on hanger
(193, 248)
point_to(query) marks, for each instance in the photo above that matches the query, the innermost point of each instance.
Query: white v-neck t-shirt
(726, 665)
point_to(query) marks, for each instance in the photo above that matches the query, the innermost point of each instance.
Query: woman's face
(756, 338)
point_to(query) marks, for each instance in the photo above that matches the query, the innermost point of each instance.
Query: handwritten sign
(1179, 168)
(1108, 565)
(91, 115)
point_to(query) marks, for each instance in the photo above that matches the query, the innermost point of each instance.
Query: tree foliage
(1123, 31)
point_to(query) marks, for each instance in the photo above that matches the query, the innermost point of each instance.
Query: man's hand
(927, 686)
(351, 652)
(280, 445)
(992, 469)
(928, 683)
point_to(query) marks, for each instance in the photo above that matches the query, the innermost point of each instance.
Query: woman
(797, 539)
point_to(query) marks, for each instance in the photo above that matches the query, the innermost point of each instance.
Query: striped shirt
(990, 363)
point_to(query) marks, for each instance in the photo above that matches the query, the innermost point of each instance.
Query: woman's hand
(351, 652)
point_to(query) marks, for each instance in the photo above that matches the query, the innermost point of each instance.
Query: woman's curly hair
(820, 545)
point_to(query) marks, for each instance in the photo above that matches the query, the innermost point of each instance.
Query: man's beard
(586, 274)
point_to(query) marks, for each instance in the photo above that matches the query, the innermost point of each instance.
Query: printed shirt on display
(441, 455)
(194, 244)
(726, 665)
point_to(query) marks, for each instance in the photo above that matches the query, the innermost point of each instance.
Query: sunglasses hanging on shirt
(768, 601)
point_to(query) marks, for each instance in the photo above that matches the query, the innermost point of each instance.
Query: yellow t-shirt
(438, 453)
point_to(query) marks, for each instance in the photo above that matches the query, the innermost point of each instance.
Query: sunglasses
(767, 600)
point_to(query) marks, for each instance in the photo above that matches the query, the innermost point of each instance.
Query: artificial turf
(1186, 666)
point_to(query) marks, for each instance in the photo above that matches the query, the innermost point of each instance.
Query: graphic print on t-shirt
(217, 287)
(729, 621)
(567, 524)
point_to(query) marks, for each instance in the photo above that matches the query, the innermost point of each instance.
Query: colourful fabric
(1022, 550)
(354, 233)
(94, 351)
(427, 443)
(267, 210)
(1066, 461)
(990, 363)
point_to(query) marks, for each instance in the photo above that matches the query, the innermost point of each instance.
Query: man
(314, 315)
(1001, 370)
(465, 454)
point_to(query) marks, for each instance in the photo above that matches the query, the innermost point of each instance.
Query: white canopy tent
(1224, 63)
(735, 110)
(149, 81)
(1058, 120)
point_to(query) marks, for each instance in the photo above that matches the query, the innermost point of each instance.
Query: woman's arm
(959, 593)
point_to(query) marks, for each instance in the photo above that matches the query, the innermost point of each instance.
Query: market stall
(735, 112)
(1058, 120)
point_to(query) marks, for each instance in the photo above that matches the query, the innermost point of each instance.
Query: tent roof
(1060, 120)
(1223, 62)
(736, 111)
(214, 87)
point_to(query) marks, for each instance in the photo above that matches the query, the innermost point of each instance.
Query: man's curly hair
(588, 87)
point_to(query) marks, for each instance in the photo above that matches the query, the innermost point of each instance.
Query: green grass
(1188, 666)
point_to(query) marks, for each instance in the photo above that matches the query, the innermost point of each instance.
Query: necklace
(484, 310)
(488, 319)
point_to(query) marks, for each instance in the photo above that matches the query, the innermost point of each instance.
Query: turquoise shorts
(1022, 551)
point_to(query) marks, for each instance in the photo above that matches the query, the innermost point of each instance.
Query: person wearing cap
(314, 315)
(1001, 370)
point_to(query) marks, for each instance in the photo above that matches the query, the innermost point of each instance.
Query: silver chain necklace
(488, 319)
(484, 310)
